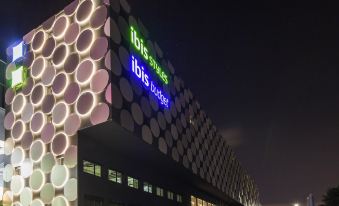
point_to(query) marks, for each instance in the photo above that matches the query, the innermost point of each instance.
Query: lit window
(199, 202)
(147, 187)
(132, 182)
(91, 168)
(170, 195)
(193, 201)
(114, 176)
(179, 198)
(97, 170)
(18, 77)
(18, 51)
(160, 192)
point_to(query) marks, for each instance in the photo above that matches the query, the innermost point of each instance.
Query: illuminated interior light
(18, 51)
(85, 20)
(18, 77)
(39, 49)
(90, 76)
(60, 64)
(85, 51)
(42, 95)
(62, 34)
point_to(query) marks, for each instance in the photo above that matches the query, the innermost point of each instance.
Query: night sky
(266, 73)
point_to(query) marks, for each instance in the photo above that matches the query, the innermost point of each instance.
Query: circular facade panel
(155, 127)
(84, 41)
(38, 94)
(10, 68)
(60, 200)
(126, 120)
(85, 72)
(27, 112)
(37, 180)
(71, 63)
(60, 55)
(71, 8)
(18, 130)
(99, 17)
(48, 75)
(99, 81)
(147, 134)
(85, 109)
(48, 104)
(71, 156)
(47, 133)
(71, 189)
(48, 48)
(126, 89)
(10, 93)
(72, 92)
(38, 41)
(37, 150)
(9, 120)
(100, 114)
(99, 48)
(59, 176)
(17, 184)
(72, 33)
(26, 169)
(18, 104)
(38, 67)
(162, 145)
(37, 202)
(9, 146)
(47, 163)
(60, 84)
(59, 144)
(26, 140)
(60, 113)
(47, 193)
(84, 12)
(137, 114)
(27, 89)
(26, 196)
(72, 124)
(108, 93)
(60, 27)
(38, 122)
(8, 173)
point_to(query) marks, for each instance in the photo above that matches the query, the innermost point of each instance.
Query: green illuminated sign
(138, 44)
(18, 78)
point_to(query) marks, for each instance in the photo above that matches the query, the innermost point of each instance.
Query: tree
(331, 198)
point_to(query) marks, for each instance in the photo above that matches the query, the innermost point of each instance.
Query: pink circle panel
(100, 114)
(72, 92)
(48, 133)
(72, 124)
(59, 144)
(99, 81)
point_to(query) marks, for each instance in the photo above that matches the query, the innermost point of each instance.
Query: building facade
(96, 115)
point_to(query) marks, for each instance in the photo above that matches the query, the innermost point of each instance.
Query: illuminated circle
(26, 196)
(9, 146)
(59, 144)
(99, 17)
(84, 12)
(9, 96)
(47, 133)
(60, 27)
(72, 33)
(37, 180)
(37, 202)
(47, 163)
(99, 48)
(72, 124)
(38, 94)
(59, 176)
(37, 150)
(17, 184)
(99, 81)
(38, 41)
(18, 130)
(37, 123)
(9, 120)
(27, 113)
(27, 89)
(84, 41)
(29, 57)
(18, 156)
(26, 140)
(38, 67)
(71, 189)
(72, 92)
(48, 75)
(59, 55)
(100, 114)
(26, 169)
(60, 84)
(71, 8)
(60, 113)
(18, 103)
(8, 173)
(85, 72)
(85, 109)
(48, 49)
(47, 193)
(71, 156)
(48, 104)
(48, 24)
(71, 63)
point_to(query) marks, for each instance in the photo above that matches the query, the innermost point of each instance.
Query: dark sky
(266, 73)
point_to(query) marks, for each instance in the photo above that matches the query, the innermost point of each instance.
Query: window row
(117, 177)
(200, 202)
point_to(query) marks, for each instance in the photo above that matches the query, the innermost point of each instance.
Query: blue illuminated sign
(140, 72)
